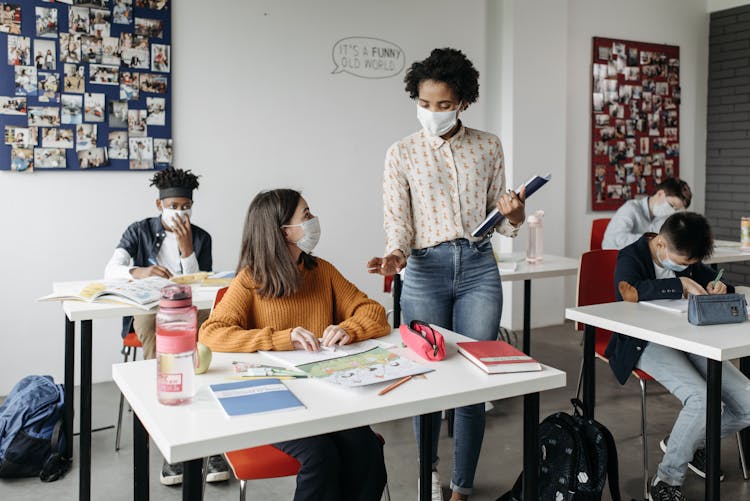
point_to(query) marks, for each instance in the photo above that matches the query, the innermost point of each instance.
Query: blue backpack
(32, 431)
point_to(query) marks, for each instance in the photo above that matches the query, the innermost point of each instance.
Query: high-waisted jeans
(456, 285)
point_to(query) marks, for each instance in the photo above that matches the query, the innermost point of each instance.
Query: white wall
(256, 107)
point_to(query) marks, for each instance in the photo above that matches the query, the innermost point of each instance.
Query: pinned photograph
(618, 49)
(46, 22)
(49, 87)
(598, 101)
(633, 74)
(653, 124)
(151, 28)
(156, 107)
(673, 150)
(662, 88)
(12, 105)
(670, 118)
(25, 80)
(632, 56)
(137, 123)
(129, 85)
(21, 137)
(70, 48)
(19, 50)
(74, 78)
(141, 153)
(111, 51)
(49, 158)
(10, 18)
(122, 13)
(649, 85)
(91, 49)
(154, 83)
(644, 146)
(601, 120)
(614, 191)
(93, 105)
(22, 159)
(91, 158)
(605, 53)
(607, 133)
(152, 4)
(45, 54)
(600, 72)
(671, 133)
(72, 108)
(54, 137)
(600, 148)
(85, 137)
(163, 151)
(102, 4)
(78, 20)
(118, 145)
(118, 114)
(160, 57)
(659, 143)
(669, 168)
(99, 22)
(647, 101)
(135, 57)
(104, 74)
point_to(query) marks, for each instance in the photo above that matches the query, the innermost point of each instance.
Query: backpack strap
(613, 475)
(516, 492)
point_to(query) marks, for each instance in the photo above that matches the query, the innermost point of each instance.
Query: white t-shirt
(663, 272)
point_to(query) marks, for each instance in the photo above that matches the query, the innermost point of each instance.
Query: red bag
(423, 340)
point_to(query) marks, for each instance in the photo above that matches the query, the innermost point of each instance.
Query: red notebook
(497, 357)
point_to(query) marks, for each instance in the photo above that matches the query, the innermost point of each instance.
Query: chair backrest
(219, 294)
(598, 227)
(596, 284)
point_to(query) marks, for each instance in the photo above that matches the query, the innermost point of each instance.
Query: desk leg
(70, 355)
(527, 317)
(140, 460)
(85, 413)
(192, 480)
(425, 457)
(531, 446)
(745, 434)
(589, 371)
(713, 422)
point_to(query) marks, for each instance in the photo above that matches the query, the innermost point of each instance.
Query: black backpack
(32, 432)
(576, 455)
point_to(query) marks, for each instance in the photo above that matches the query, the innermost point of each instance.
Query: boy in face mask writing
(636, 217)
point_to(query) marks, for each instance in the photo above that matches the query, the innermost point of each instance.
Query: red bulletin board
(635, 119)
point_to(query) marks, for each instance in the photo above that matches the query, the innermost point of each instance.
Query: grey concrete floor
(618, 407)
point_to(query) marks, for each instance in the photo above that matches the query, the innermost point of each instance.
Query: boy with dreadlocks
(165, 245)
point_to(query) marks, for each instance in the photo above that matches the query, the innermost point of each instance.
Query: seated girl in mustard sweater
(283, 299)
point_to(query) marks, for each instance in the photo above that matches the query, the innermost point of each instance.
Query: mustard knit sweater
(244, 321)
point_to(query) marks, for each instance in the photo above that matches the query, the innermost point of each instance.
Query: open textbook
(143, 293)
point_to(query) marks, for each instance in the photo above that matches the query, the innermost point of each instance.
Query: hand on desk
(303, 339)
(721, 288)
(690, 286)
(150, 271)
(388, 265)
(335, 335)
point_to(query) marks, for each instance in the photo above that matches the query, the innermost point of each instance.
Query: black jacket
(636, 267)
(143, 239)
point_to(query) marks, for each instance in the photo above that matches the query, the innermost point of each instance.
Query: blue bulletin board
(85, 84)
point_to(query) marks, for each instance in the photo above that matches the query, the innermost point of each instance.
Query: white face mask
(168, 216)
(663, 210)
(310, 234)
(437, 123)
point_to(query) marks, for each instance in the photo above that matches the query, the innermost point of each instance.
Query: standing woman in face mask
(283, 298)
(439, 184)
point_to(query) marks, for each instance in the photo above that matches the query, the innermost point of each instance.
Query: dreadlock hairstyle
(173, 182)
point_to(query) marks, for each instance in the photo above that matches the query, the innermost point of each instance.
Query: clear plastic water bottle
(176, 333)
(535, 244)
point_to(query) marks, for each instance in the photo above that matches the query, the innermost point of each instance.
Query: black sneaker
(698, 463)
(664, 492)
(218, 469)
(171, 474)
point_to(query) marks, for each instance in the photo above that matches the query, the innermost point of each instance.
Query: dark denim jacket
(143, 239)
(636, 267)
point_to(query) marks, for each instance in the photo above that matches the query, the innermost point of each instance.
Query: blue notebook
(256, 396)
(494, 217)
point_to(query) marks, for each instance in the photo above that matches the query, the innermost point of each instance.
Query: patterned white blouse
(437, 190)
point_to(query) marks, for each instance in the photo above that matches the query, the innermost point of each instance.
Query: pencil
(394, 385)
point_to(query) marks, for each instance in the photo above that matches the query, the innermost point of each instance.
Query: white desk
(549, 267)
(188, 433)
(716, 342)
(84, 312)
(726, 251)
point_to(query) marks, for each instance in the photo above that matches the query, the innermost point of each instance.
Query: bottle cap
(175, 341)
(176, 296)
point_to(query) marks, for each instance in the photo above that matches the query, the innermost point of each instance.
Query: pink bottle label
(170, 383)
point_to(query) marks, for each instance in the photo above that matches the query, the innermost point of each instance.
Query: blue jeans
(684, 376)
(456, 285)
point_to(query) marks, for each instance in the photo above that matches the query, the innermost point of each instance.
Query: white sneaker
(437, 490)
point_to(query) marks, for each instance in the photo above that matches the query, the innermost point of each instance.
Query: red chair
(598, 227)
(265, 461)
(130, 343)
(596, 285)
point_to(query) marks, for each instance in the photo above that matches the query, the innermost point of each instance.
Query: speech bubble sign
(367, 57)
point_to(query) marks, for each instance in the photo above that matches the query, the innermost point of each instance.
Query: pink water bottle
(176, 333)
(535, 244)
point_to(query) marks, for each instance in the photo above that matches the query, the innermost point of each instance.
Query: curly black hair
(174, 178)
(445, 65)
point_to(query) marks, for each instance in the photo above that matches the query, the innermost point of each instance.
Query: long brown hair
(264, 250)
